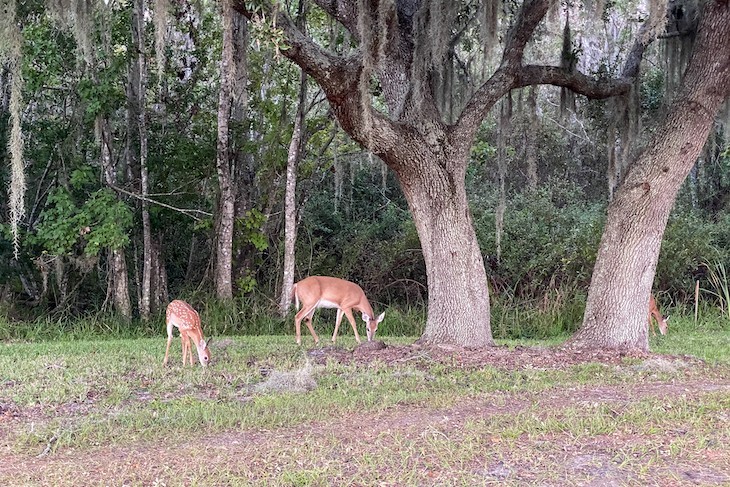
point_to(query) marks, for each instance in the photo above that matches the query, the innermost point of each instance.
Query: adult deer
(186, 319)
(330, 292)
(656, 314)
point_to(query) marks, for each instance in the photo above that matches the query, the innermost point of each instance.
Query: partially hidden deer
(183, 316)
(657, 315)
(330, 292)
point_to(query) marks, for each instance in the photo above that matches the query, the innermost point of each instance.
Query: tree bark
(118, 276)
(290, 210)
(292, 162)
(458, 297)
(226, 197)
(618, 299)
(531, 136)
(140, 66)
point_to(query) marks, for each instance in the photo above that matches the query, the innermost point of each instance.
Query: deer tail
(294, 296)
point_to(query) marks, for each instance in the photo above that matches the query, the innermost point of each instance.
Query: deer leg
(298, 326)
(184, 348)
(304, 314)
(309, 318)
(167, 350)
(190, 350)
(351, 319)
(337, 324)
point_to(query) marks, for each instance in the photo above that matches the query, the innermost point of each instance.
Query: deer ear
(381, 317)
(366, 317)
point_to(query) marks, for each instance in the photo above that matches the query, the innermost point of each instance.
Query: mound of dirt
(503, 357)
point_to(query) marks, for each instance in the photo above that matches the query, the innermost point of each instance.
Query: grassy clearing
(82, 395)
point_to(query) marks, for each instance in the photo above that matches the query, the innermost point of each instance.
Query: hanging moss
(11, 41)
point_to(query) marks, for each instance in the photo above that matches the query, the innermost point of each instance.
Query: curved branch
(335, 74)
(593, 88)
(338, 76)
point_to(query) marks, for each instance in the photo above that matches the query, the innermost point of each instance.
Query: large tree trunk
(618, 300)
(458, 295)
(226, 197)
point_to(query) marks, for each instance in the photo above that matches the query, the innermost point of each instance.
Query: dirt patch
(503, 357)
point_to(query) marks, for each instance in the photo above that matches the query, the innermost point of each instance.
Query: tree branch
(578, 82)
(344, 12)
(338, 76)
(184, 211)
(335, 74)
(529, 17)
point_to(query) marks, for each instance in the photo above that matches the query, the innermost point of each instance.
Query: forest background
(540, 176)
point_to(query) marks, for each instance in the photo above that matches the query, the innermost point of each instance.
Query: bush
(549, 242)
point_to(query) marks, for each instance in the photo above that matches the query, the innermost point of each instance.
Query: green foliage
(102, 221)
(371, 240)
(689, 242)
(557, 313)
(101, 95)
(250, 229)
(719, 286)
(550, 240)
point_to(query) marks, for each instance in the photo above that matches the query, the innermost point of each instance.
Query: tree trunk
(118, 277)
(140, 66)
(244, 161)
(159, 296)
(618, 299)
(226, 200)
(531, 136)
(458, 295)
(290, 210)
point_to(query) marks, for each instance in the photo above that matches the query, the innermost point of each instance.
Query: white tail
(330, 292)
(656, 314)
(187, 320)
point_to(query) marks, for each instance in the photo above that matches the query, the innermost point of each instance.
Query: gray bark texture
(118, 277)
(138, 78)
(618, 299)
(226, 201)
(290, 210)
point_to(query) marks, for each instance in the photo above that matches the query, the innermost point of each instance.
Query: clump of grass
(720, 285)
(300, 380)
(558, 312)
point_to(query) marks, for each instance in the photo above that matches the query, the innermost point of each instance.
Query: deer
(331, 292)
(183, 316)
(656, 314)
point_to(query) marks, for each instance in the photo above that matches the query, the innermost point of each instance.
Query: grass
(79, 395)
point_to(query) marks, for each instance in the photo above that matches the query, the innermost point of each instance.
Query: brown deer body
(330, 292)
(183, 316)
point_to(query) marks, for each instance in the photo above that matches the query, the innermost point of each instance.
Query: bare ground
(410, 443)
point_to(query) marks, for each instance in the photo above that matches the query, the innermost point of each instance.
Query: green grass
(126, 377)
(74, 395)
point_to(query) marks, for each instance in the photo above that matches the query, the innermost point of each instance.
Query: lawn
(268, 412)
